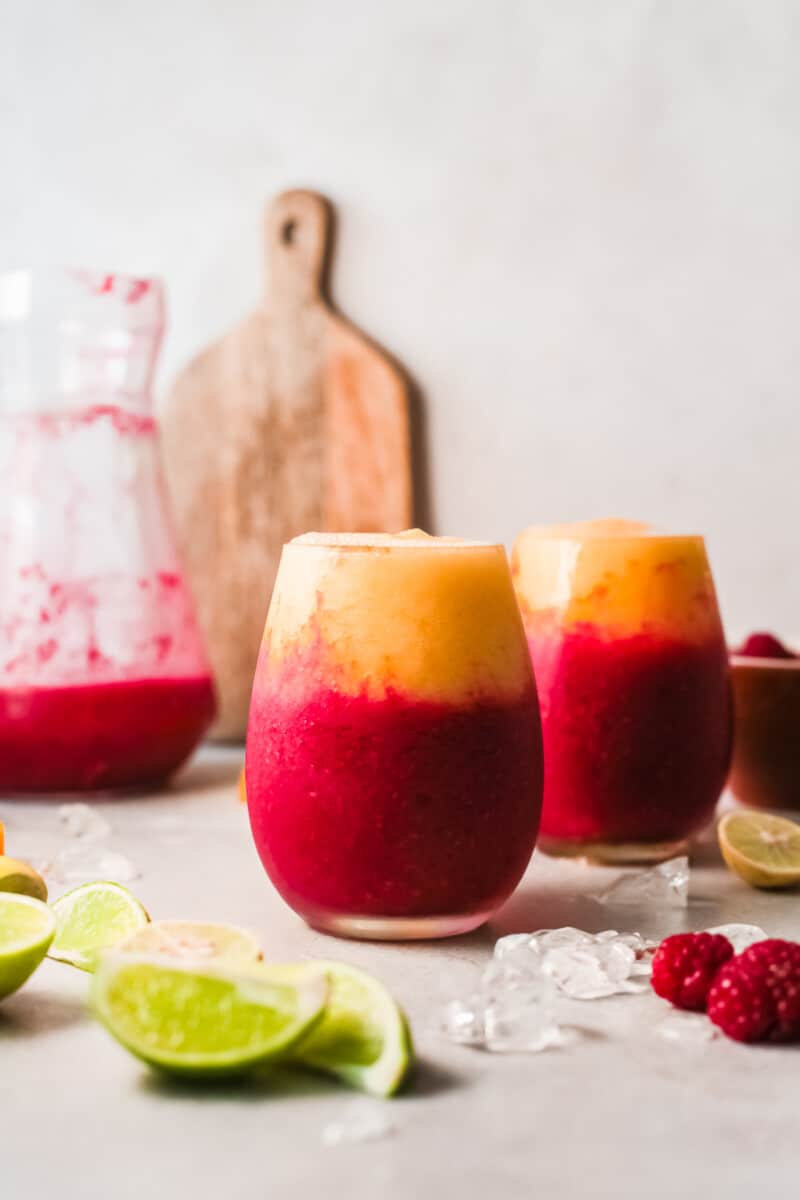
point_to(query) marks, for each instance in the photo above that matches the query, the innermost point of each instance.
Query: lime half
(364, 1037)
(762, 849)
(207, 1022)
(198, 942)
(92, 918)
(21, 878)
(27, 928)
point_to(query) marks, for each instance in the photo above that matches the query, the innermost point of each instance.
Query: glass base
(396, 929)
(614, 854)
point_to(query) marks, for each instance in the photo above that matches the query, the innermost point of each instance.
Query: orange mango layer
(431, 618)
(619, 576)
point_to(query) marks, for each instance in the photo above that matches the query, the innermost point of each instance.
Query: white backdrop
(575, 222)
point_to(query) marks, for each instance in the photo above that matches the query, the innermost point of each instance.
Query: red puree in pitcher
(103, 735)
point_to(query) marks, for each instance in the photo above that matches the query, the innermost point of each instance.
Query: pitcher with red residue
(104, 682)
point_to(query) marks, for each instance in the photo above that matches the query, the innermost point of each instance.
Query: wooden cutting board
(292, 421)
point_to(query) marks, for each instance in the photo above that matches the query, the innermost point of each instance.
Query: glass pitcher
(104, 682)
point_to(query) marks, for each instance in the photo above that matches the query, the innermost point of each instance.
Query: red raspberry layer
(764, 645)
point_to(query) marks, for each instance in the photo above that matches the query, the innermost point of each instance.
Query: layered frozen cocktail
(631, 668)
(394, 760)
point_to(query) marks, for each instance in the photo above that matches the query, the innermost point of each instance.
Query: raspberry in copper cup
(765, 772)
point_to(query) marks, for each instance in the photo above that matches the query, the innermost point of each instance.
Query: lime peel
(762, 849)
(91, 919)
(203, 1023)
(364, 1037)
(27, 928)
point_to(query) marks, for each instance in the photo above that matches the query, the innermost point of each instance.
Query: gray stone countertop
(622, 1112)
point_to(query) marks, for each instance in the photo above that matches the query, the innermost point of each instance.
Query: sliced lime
(92, 918)
(27, 927)
(762, 849)
(21, 878)
(364, 1037)
(206, 1022)
(198, 942)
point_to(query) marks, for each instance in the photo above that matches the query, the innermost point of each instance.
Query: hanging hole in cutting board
(288, 230)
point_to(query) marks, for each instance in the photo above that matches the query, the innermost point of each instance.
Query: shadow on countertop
(427, 1079)
(36, 1013)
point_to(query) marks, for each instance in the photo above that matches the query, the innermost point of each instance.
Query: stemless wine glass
(104, 682)
(632, 672)
(394, 764)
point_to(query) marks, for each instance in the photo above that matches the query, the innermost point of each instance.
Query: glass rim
(18, 299)
(761, 662)
(585, 539)
(385, 542)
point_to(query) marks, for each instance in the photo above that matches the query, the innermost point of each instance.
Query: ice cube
(514, 1011)
(118, 868)
(642, 948)
(82, 862)
(740, 936)
(462, 1021)
(690, 1029)
(566, 936)
(518, 1010)
(521, 1031)
(666, 885)
(513, 944)
(359, 1121)
(592, 971)
(82, 821)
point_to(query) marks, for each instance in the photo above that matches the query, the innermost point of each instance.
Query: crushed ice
(85, 854)
(591, 972)
(515, 1008)
(666, 885)
(359, 1121)
(690, 1029)
(741, 936)
(462, 1021)
(82, 821)
(517, 1004)
(81, 863)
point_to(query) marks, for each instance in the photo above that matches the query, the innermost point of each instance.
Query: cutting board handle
(298, 236)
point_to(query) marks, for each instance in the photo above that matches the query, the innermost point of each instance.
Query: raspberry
(756, 996)
(685, 966)
(764, 645)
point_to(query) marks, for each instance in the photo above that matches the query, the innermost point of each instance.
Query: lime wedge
(27, 928)
(364, 1037)
(92, 918)
(206, 1022)
(21, 878)
(198, 942)
(763, 849)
